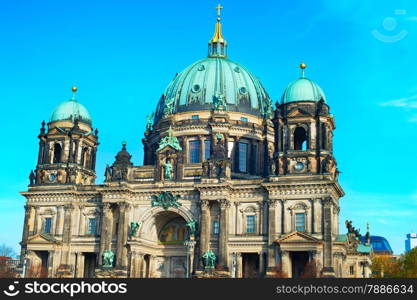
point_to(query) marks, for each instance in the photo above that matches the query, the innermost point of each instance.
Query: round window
(299, 166)
(196, 88)
(237, 70)
(243, 90)
(201, 68)
(52, 177)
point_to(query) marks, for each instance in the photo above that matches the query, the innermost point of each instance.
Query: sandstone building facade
(223, 171)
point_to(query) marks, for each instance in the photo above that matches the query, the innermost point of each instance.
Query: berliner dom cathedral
(233, 184)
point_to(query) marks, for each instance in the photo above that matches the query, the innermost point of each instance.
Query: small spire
(74, 90)
(170, 131)
(43, 127)
(124, 143)
(303, 66)
(217, 44)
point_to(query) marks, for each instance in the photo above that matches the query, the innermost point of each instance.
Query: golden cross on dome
(218, 8)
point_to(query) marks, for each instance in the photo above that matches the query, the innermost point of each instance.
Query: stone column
(106, 231)
(317, 216)
(202, 147)
(204, 226)
(152, 266)
(25, 234)
(224, 233)
(328, 270)
(36, 221)
(239, 265)
(121, 257)
(189, 245)
(278, 217)
(237, 204)
(28, 215)
(59, 220)
(80, 265)
(287, 217)
(286, 263)
(50, 263)
(81, 222)
(186, 158)
(261, 264)
(261, 212)
(271, 234)
(133, 265)
(139, 266)
(67, 234)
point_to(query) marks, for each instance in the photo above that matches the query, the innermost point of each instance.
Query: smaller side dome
(71, 110)
(303, 89)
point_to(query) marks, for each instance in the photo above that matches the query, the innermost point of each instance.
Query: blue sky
(122, 54)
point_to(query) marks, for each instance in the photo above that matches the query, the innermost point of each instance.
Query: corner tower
(304, 128)
(67, 147)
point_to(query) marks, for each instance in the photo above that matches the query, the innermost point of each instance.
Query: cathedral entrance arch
(165, 254)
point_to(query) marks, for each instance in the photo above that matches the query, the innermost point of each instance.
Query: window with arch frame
(300, 139)
(300, 222)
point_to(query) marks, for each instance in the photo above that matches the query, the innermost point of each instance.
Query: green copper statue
(192, 225)
(169, 140)
(267, 108)
(209, 260)
(165, 200)
(168, 170)
(220, 102)
(169, 106)
(134, 226)
(149, 121)
(108, 259)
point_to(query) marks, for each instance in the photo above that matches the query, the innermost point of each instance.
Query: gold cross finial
(218, 8)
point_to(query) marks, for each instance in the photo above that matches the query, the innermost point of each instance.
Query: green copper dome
(215, 83)
(303, 89)
(71, 110)
(212, 80)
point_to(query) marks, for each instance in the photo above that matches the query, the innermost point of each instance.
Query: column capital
(106, 206)
(236, 203)
(327, 201)
(28, 208)
(68, 207)
(224, 203)
(272, 203)
(204, 204)
(124, 206)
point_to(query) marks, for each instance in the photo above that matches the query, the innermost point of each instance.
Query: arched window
(85, 158)
(300, 139)
(57, 153)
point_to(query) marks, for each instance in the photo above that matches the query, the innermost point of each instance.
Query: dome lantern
(217, 46)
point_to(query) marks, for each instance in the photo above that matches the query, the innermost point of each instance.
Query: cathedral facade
(230, 186)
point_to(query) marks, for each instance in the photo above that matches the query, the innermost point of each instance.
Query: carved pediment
(298, 237)
(43, 238)
(298, 112)
(167, 149)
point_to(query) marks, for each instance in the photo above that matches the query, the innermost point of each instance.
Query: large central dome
(214, 80)
(199, 85)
